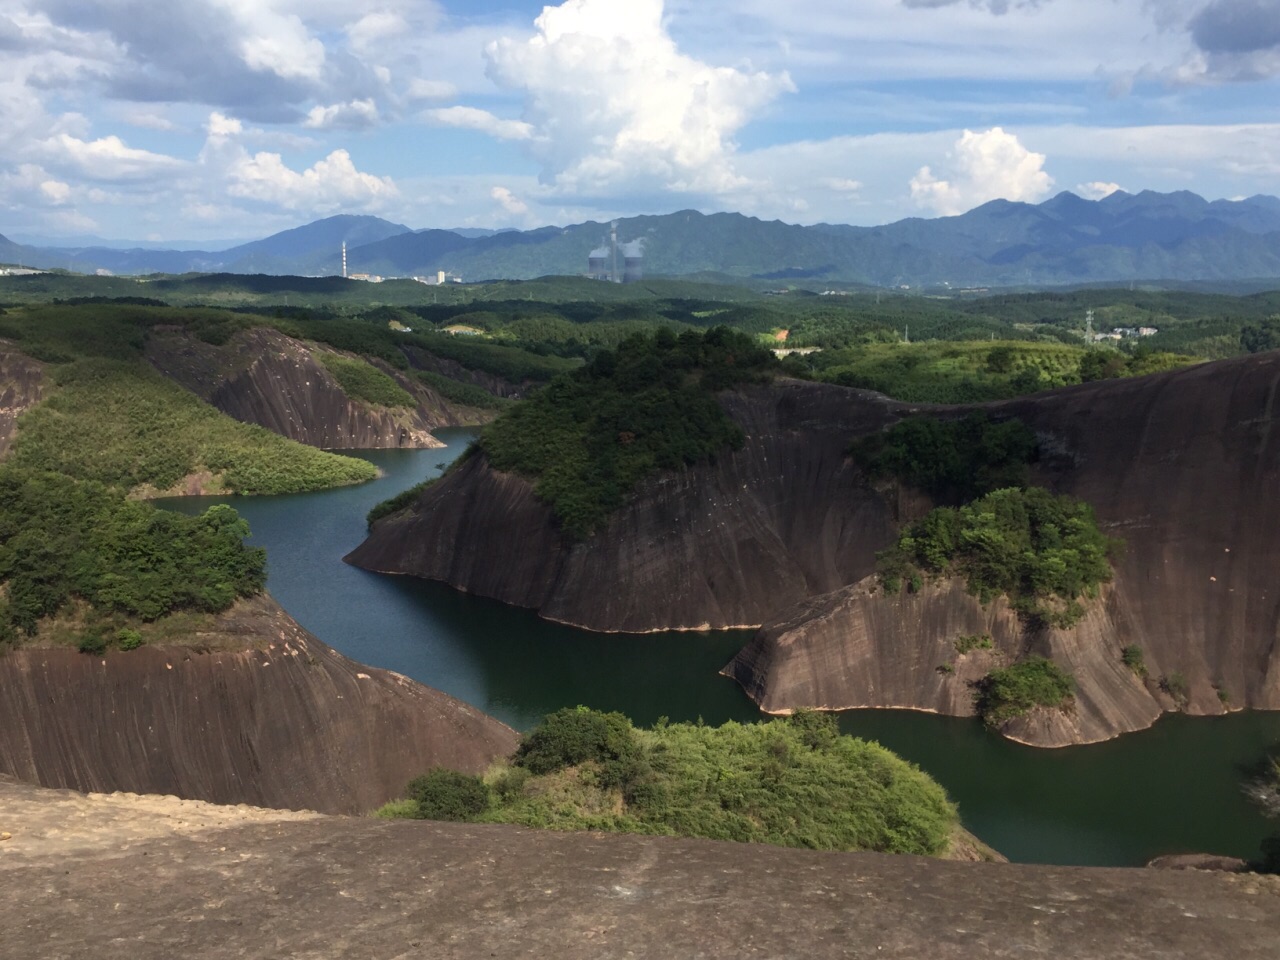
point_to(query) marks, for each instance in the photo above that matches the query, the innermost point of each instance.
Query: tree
(1260, 336)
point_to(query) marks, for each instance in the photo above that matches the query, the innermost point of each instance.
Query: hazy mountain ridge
(1064, 240)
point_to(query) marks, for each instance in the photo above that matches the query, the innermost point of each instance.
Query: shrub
(1133, 658)
(1176, 686)
(93, 642)
(572, 736)
(128, 639)
(1015, 690)
(974, 641)
(448, 795)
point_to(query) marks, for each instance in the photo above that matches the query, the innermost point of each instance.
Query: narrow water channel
(1174, 788)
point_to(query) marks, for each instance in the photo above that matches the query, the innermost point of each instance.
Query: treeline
(796, 782)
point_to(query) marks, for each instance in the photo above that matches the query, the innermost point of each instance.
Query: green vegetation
(1017, 689)
(63, 541)
(398, 502)
(952, 460)
(1133, 658)
(795, 782)
(1261, 335)
(448, 795)
(122, 424)
(1262, 782)
(591, 436)
(464, 393)
(361, 380)
(1175, 685)
(1042, 551)
(973, 641)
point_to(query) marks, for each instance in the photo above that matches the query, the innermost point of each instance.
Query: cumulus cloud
(980, 167)
(611, 103)
(473, 118)
(509, 201)
(329, 185)
(356, 115)
(1097, 190)
(107, 158)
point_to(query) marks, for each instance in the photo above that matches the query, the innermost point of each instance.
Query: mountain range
(1065, 240)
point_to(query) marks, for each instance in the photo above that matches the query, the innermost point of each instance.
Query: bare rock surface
(262, 376)
(269, 716)
(192, 885)
(21, 387)
(718, 545)
(1183, 466)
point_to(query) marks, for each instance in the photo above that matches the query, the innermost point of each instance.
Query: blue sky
(207, 119)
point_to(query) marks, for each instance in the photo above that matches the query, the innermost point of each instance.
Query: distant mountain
(1065, 240)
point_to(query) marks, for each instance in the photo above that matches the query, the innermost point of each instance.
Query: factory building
(617, 262)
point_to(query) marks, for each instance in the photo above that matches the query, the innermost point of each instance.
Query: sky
(205, 120)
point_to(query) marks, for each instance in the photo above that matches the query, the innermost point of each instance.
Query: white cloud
(149, 120)
(107, 158)
(612, 104)
(330, 184)
(982, 166)
(472, 118)
(509, 201)
(355, 115)
(421, 89)
(1097, 190)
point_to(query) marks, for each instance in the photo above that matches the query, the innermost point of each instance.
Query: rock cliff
(21, 387)
(262, 376)
(1182, 465)
(717, 545)
(266, 715)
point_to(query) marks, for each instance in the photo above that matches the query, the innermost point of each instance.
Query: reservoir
(1171, 789)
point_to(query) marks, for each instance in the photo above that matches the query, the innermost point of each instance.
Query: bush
(128, 639)
(1133, 658)
(975, 641)
(1015, 690)
(1176, 686)
(448, 795)
(93, 642)
(577, 735)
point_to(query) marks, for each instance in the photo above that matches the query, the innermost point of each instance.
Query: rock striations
(266, 715)
(262, 376)
(1183, 466)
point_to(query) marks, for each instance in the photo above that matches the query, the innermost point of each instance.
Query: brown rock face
(717, 545)
(1184, 466)
(21, 387)
(284, 722)
(263, 377)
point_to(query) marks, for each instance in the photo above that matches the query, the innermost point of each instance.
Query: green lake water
(1174, 788)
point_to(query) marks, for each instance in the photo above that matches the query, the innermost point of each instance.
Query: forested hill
(1065, 240)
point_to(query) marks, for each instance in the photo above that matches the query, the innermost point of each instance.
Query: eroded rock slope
(262, 376)
(21, 387)
(269, 716)
(1183, 466)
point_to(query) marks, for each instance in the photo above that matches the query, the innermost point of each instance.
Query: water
(1171, 789)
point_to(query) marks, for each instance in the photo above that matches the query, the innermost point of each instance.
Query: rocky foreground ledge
(151, 878)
